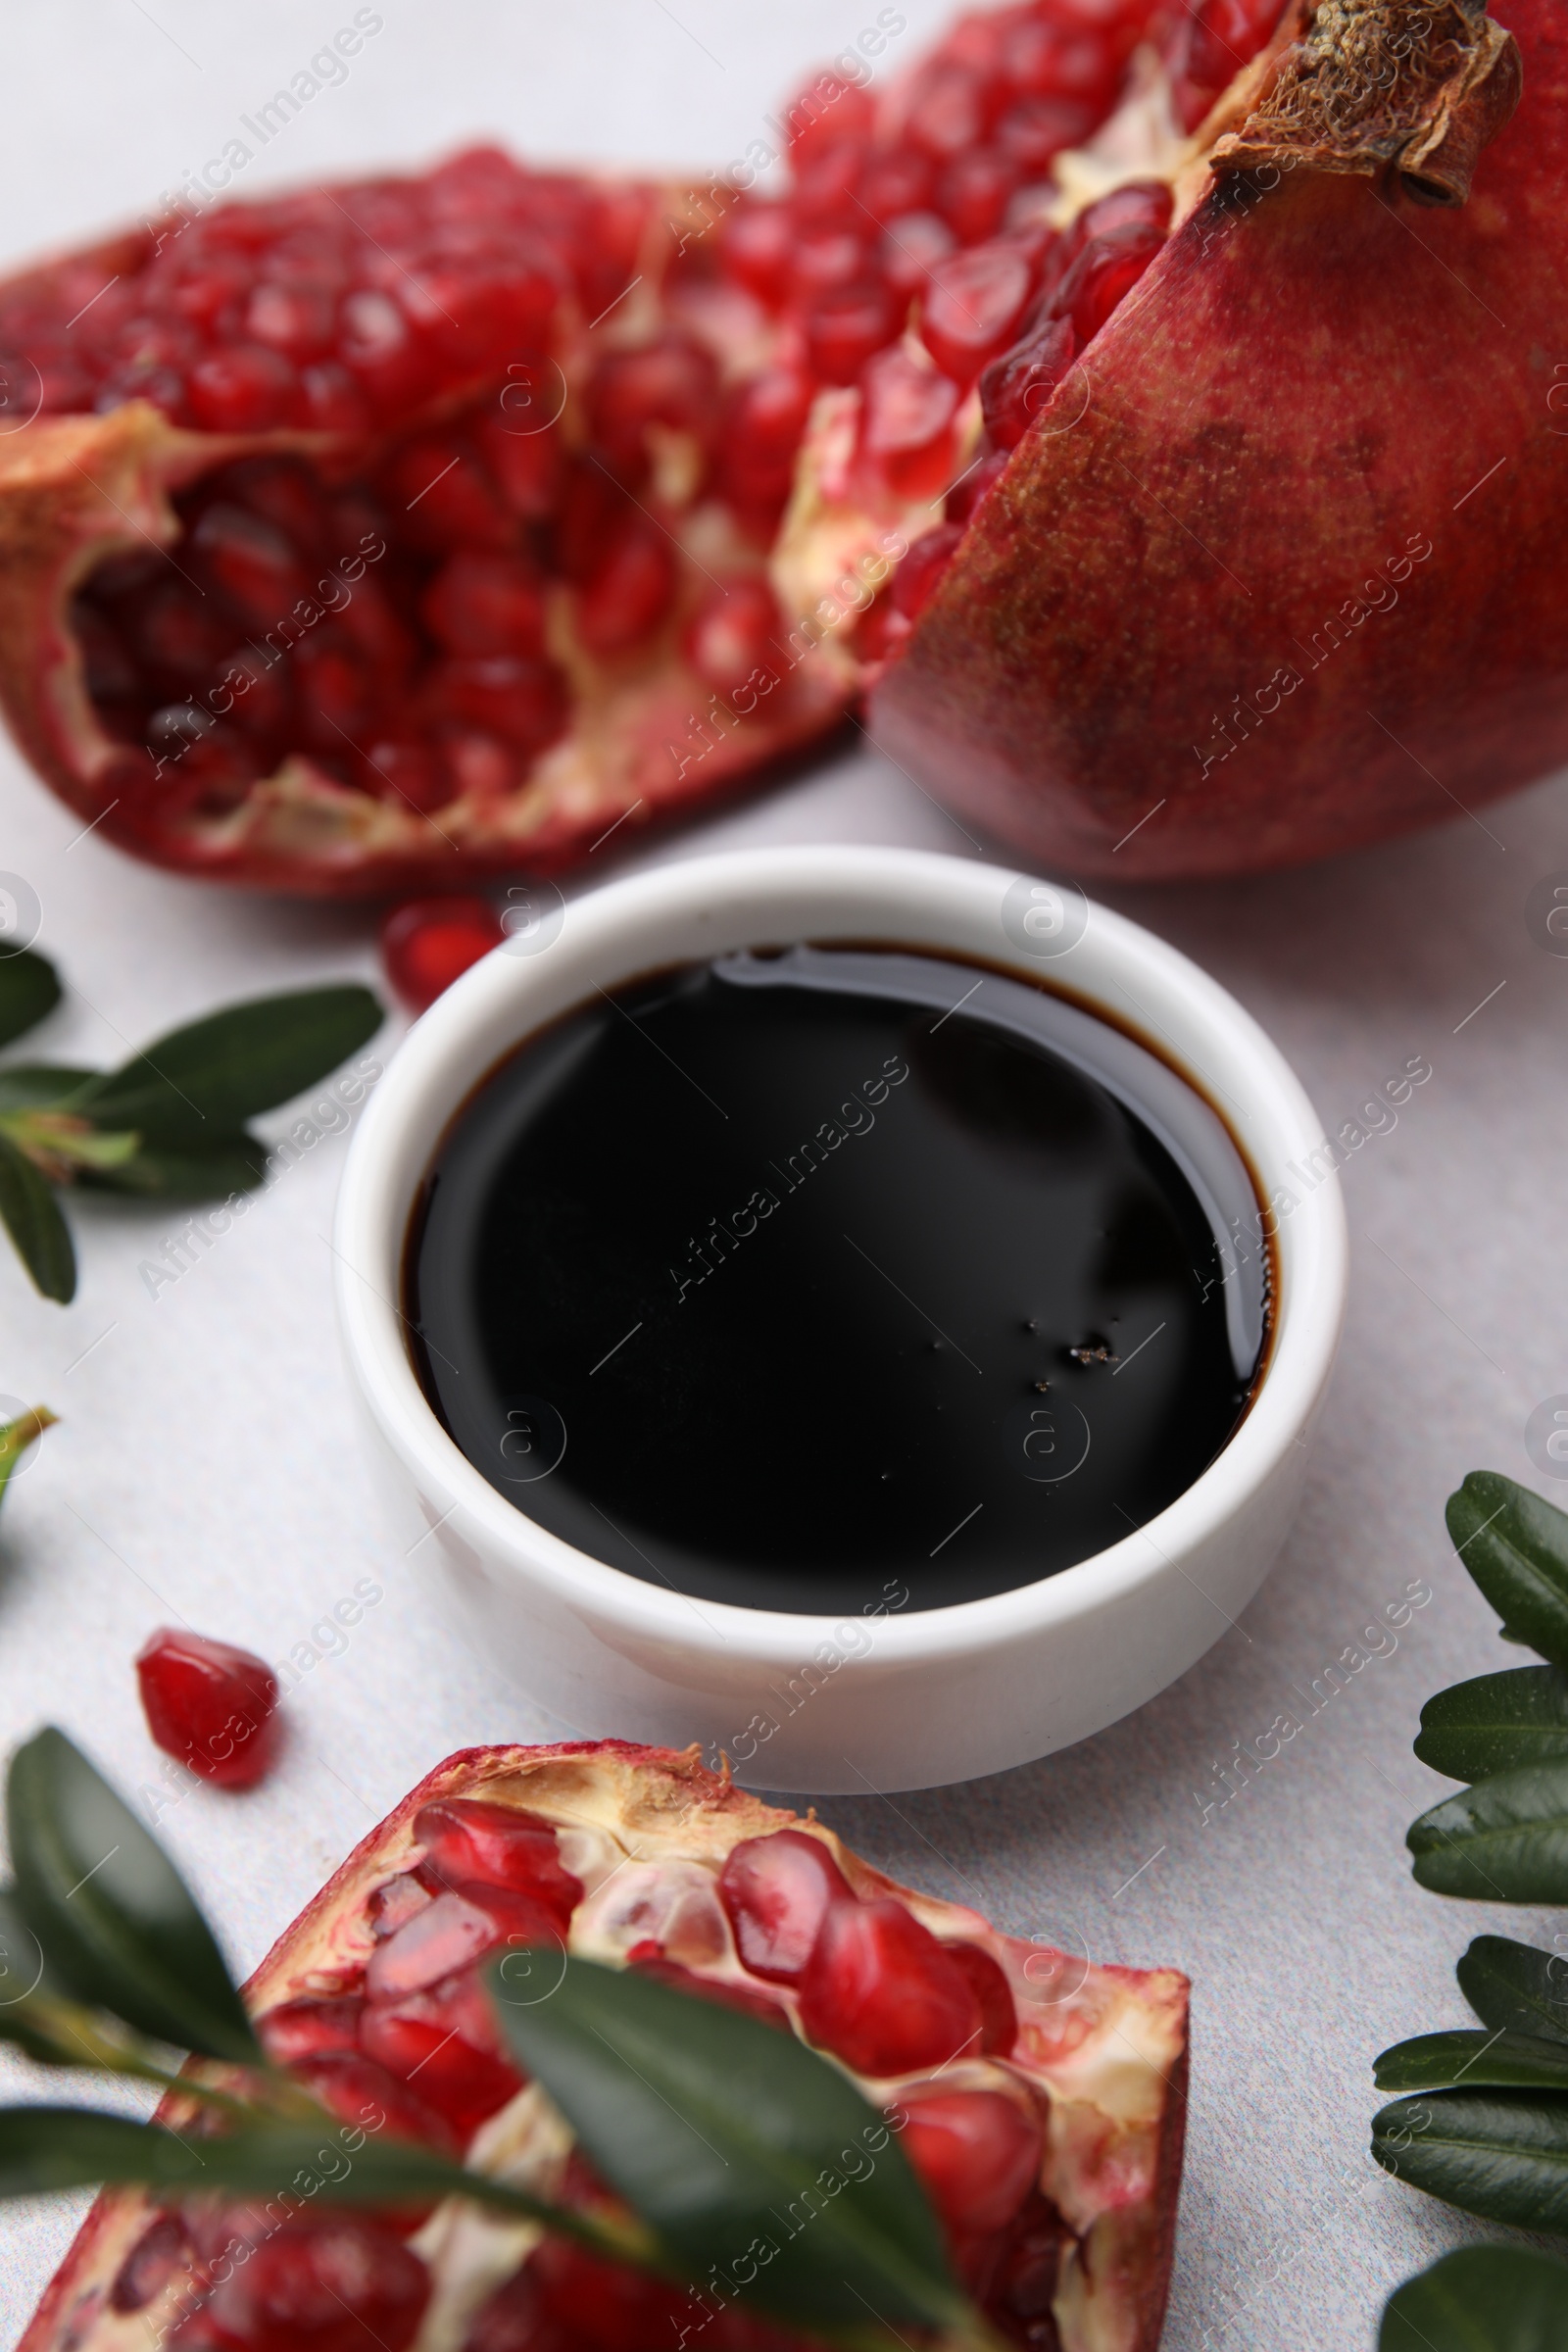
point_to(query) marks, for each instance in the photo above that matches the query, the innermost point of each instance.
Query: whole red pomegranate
(1133, 395)
(1042, 2102)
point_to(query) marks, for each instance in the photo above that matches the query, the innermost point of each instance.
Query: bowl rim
(400, 1129)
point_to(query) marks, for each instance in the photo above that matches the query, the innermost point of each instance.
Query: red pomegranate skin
(210, 1704)
(1055, 2172)
(1279, 570)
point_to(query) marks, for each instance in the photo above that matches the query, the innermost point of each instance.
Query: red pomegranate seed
(972, 193)
(968, 491)
(457, 1929)
(846, 325)
(905, 432)
(911, 247)
(333, 691)
(443, 498)
(428, 943)
(895, 181)
(210, 1706)
(465, 1838)
(914, 583)
(733, 632)
(1146, 201)
(259, 572)
(329, 2285)
(416, 775)
(880, 1992)
(527, 466)
(672, 381)
(825, 257)
(241, 390)
(446, 2042)
(828, 183)
(297, 320)
(176, 634)
(1014, 389)
(485, 604)
(828, 109)
(360, 2091)
(1057, 61)
(284, 493)
(755, 245)
(949, 114)
(380, 351)
(1034, 130)
(978, 2153)
(332, 402)
(630, 594)
(602, 2304)
(989, 1984)
(649, 1960)
(972, 308)
(1105, 274)
(763, 424)
(523, 702)
(311, 2025)
(161, 2249)
(396, 1900)
(778, 1890)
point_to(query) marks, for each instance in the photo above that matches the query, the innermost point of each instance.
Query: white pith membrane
(1101, 2049)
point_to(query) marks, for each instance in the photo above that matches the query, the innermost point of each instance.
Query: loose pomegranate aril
(977, 2151)
(1105, 273)
(210, 1706)
(1016, 388)
(308, 2027)
(845, 327)
(988, 1983)
(500, 1844)
(777, 1891)
(734, 632)
(881, 1993)
(457, 1929)
(329, 2285)
(972, 308)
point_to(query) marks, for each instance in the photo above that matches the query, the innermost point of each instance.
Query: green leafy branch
(169, 1124)
(738, 2153)
(1481, 2119)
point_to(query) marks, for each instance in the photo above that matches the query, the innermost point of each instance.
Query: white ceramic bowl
(936, 1694)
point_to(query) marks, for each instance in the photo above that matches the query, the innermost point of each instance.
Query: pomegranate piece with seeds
(459, 1927)
(1050, 2145)
(210, 1706)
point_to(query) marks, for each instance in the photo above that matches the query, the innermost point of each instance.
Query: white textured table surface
(204, 1465)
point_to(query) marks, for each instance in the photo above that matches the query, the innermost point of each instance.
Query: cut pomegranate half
(1054, 2163)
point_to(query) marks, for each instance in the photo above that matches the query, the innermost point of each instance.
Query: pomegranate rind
(1108, 2046)
(1278, 569)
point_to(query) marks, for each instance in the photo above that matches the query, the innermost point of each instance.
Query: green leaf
(1497, 2153)
(1516, 1548)
(1481, 2300)
(201, 1084)
(1495, 1722)
(32, 1218)
(1498, 2061)
(41, 1085)
(1505, 1841)
(44, 2149)
(29, 987)
(236, 1165)
(117, 1923)
(1515, 1986)
(738, 2145)
(15, 1438)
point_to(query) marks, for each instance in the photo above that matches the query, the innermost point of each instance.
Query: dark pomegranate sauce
(785, 1278)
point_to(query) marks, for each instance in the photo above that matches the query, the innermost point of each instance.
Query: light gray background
(205, 1466)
